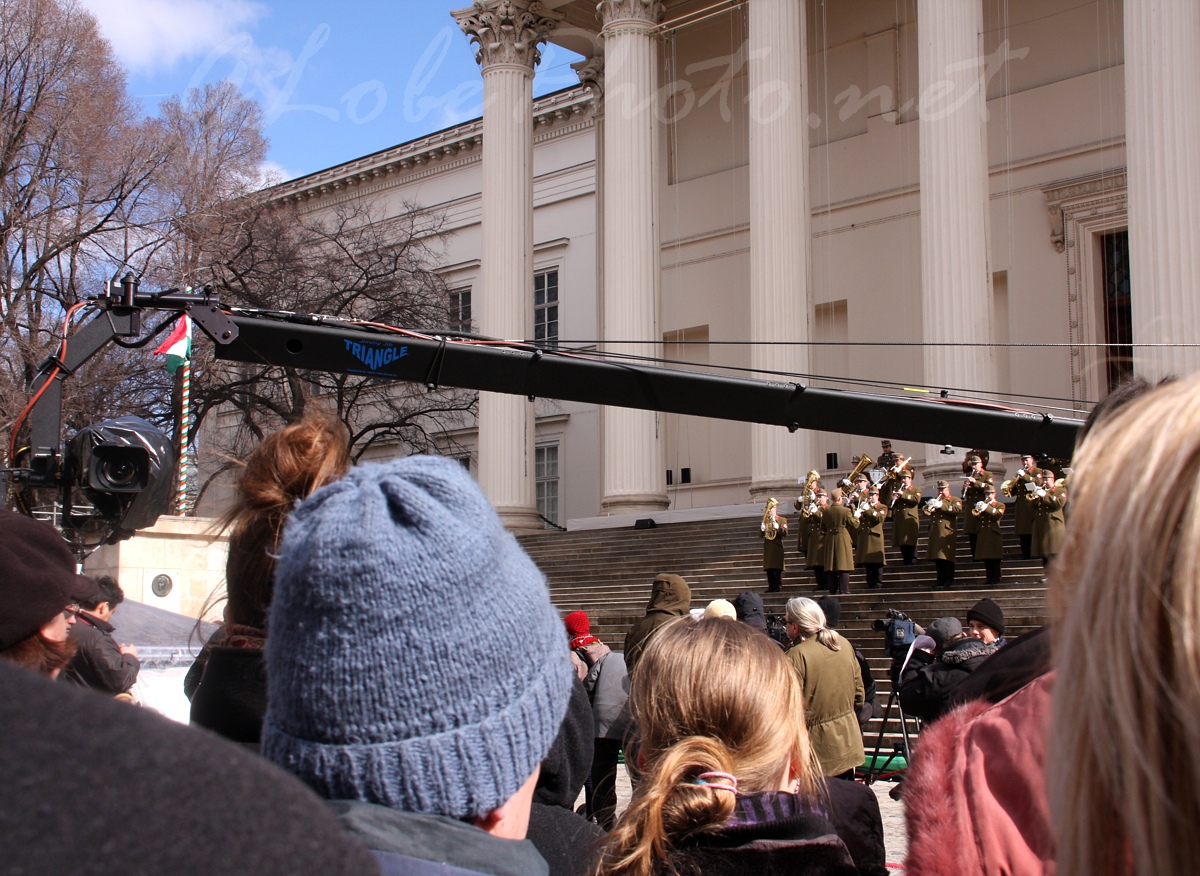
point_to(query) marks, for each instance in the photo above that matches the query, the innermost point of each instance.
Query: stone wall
(187, 550)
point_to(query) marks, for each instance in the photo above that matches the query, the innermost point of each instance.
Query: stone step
(608, 574)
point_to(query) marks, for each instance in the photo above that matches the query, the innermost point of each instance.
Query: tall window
(460, 309)
(545, 309)
(1118, 315)
(546, 470)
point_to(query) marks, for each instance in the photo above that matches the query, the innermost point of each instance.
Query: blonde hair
(697, 712)
(720, 608)
(1123, 764)
(811, 620)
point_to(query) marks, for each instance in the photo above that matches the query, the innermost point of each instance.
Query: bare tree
(89, 189)
(348, 263)
(77, 169)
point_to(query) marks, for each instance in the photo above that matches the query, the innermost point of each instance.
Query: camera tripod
(875, 770)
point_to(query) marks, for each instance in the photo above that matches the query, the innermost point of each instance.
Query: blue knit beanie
(381, 685)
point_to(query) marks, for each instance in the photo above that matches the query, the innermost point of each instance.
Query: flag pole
(184, 443)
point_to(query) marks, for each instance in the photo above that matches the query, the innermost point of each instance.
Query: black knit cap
(833, 610)
(987, 612)
(37, 577)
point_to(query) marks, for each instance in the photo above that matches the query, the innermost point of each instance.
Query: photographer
(939, 663)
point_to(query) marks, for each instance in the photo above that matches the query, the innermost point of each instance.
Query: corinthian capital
(507, 31)
(591, 76)
(644, 13)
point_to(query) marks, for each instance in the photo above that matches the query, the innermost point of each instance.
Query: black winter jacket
(99, 663)
(927, 683)
(770, 834)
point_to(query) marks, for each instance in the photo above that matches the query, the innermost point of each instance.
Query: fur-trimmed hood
(975, 796)
(968, 649)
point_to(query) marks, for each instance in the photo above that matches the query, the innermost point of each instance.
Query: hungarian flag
(178, 345)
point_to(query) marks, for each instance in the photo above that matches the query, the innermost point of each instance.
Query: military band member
(989, 546)
(888, 459)
(869, 550)
(1021, 488)
(943, 511)
(815, 552)
(983, 455)
(906, 522)
(772, 531)
(1049, 523)
(837, 528)
(974, 492)
(858, 492)
(806, 505)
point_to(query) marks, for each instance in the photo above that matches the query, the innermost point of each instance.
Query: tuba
(864, 463)
(770, 525)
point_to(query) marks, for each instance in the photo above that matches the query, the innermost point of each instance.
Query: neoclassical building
(988, 200)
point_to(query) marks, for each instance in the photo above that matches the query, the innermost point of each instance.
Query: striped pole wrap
(184, 444)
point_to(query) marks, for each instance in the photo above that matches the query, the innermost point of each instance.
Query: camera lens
(118, 472)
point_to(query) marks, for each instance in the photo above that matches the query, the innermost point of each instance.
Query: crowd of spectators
(390, 736)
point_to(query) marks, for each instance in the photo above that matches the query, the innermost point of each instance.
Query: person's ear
(510, 820)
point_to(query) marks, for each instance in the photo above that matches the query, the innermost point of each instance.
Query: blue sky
(335, 80)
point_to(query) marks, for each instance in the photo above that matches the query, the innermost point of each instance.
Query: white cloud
(154, 35)
(272, 173)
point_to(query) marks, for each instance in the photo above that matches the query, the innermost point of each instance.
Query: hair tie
(730, 783)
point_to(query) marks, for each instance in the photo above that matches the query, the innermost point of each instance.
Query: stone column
(507, 33)
(780, 239)
(634, 479)
(1162, 130)
(955, 275)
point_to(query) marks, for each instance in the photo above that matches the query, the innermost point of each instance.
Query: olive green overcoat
(870, 547)
(833, 690)
(837, 527)
(906, 519)
(943, 535)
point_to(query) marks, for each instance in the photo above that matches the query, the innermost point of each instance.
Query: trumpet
(930, 506)
(770, 524)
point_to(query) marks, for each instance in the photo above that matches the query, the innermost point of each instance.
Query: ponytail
(673, 804)
(808, 616)
(287, 467)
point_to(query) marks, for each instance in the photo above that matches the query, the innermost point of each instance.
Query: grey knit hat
(380, 688)
(944, 629)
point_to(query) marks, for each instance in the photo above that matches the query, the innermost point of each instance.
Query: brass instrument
(864, 463)
(809, 496)
(770, 525)
(894, 473)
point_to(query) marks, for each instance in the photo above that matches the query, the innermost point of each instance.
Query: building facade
(993, 201)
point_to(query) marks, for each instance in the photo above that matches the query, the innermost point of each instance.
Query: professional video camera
(125, 469)
(777, 629)
(899, 633)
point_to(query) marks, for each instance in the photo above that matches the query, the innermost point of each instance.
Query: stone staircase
(608, 572)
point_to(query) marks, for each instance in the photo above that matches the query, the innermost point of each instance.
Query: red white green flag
(178, 345)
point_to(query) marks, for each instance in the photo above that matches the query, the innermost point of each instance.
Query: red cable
(62, 351)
